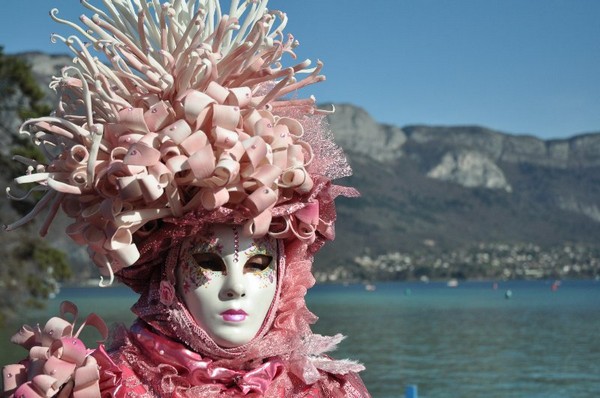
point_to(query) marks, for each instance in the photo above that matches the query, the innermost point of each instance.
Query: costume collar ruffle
(200, 371)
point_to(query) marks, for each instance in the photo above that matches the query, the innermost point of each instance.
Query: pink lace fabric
(149, 365)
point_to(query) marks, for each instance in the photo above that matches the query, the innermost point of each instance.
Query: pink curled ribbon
(58, 361)
(149, 157)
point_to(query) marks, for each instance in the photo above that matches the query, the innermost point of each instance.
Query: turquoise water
(467, 341)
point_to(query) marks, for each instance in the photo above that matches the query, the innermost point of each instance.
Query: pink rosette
(58, 360)
(166, 293)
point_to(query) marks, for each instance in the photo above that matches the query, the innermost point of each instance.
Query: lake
(464, 341)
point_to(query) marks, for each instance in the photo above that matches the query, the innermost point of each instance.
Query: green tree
(30, 270)
(20, 98)
(15, 78)
(30, 274)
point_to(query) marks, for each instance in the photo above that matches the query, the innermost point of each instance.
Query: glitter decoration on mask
(195, 274)
(262, 247)
(236, 244)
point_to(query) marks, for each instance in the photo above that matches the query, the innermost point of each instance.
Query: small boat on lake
(369, 287)
(452, 283)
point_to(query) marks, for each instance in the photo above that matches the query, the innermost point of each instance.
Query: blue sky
(518, 66)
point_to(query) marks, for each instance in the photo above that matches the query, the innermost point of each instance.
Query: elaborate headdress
(194, 121)
(193, 114)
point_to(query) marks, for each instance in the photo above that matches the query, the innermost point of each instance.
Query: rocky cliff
(438, 188)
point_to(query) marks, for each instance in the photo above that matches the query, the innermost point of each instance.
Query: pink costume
(188, 126)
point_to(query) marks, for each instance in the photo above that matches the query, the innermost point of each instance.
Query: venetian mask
(228, 283)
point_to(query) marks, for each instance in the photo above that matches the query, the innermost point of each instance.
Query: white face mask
(228, 283)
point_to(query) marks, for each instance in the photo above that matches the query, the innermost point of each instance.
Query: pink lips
(234, 315)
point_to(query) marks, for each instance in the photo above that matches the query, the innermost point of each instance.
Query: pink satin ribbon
(201, 371)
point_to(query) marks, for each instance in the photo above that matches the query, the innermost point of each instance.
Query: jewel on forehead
(236, 245)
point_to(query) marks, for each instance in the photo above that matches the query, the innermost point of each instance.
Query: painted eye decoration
(211, 262)
(258, 263)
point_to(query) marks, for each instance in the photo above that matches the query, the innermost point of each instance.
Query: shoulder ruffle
(58, 364)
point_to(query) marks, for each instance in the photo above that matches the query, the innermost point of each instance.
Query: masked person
(193, 178)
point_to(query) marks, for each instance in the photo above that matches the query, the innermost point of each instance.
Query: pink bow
(201, 371)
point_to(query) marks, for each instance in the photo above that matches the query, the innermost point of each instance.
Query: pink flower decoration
(167, 293)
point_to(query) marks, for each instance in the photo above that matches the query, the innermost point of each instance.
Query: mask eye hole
(211, 262)
(259, 262)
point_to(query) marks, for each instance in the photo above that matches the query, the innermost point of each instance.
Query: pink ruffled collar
(201, 371)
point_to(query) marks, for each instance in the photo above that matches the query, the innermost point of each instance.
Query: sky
(517, 66)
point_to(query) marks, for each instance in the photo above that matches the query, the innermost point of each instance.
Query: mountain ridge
(501, 146)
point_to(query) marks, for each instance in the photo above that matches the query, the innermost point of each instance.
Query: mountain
(442, 188)
(431, 191)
